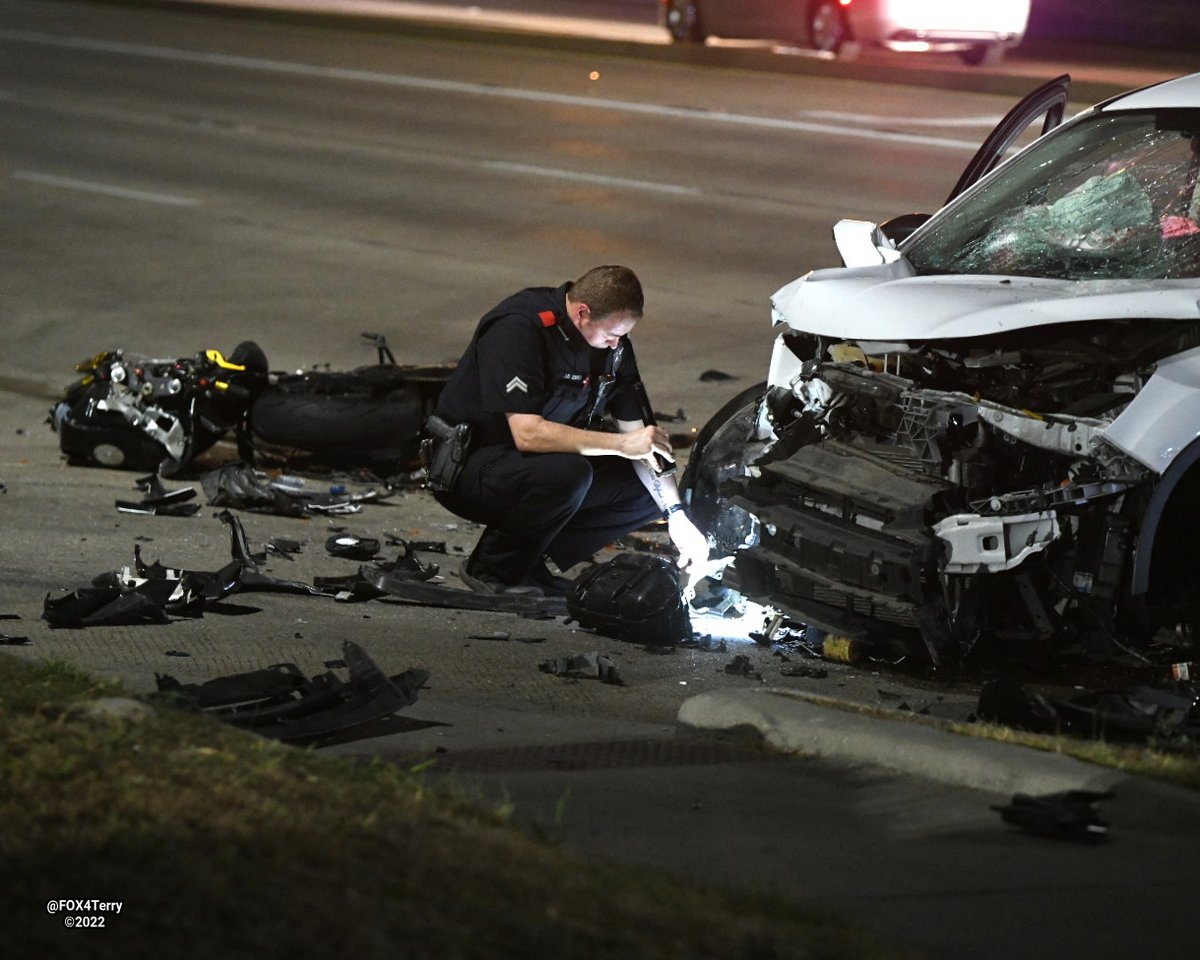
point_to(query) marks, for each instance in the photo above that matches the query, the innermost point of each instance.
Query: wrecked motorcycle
(134, 412)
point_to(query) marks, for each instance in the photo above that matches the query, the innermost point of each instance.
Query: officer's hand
(690, 542)
(645, 443)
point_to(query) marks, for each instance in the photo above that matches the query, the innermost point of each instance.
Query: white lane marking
(477, 89)
(590, 178)
(985, 122)
(90, 186)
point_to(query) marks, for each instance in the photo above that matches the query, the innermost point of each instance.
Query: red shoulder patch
(548, 318)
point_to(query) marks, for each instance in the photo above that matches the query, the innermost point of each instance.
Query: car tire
(983, 55)
(683, 21)
(828, 30)
(709, 465)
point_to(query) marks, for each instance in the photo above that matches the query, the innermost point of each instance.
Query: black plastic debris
(715, 376)
(351, 547)
(279, 702)
(1070, 815)
(127, 599)
(587, 665)
(284, 547)
(675, 417)
(154, 593)
(160, 502)
(740, 666)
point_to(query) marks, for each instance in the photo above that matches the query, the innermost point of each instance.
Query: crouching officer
(516, 442)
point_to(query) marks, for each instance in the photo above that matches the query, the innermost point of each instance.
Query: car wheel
(683, 21)
(720, 453)
(983, 55)
(827, 27)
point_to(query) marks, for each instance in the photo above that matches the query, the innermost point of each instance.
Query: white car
(979, 32)
(985, 428)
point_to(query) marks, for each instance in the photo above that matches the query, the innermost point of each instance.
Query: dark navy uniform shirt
(528, 357)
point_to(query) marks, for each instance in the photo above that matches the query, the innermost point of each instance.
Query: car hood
(890, 303)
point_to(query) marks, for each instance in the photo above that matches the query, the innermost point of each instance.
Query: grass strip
(222, 844)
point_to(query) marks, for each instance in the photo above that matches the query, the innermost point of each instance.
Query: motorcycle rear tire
(341, 430)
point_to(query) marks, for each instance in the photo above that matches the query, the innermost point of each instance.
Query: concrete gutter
(795, 723)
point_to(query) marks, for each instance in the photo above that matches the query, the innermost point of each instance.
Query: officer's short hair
(609, 289)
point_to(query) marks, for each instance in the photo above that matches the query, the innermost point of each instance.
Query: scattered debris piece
(284, 547)
(670, 417)
(1070, 815)
(740, 666)
(160, 502)
(705, 644)
(842, 649)
(416, 546)
(10, 641)
(176, 653)
(589, 665)
(504, 635)
(153, 593)
(240, 486)
(802, 670)
(715, 376)
(350, 547)
(281, 703)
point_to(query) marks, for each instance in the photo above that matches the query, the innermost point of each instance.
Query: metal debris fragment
(588, 665)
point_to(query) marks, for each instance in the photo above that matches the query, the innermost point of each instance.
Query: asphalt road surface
(173, 181)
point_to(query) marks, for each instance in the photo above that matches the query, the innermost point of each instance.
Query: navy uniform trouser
(562, 505)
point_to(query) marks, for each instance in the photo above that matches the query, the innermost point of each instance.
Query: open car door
(1046, 105)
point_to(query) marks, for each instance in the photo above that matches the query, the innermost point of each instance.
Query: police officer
(546, 480)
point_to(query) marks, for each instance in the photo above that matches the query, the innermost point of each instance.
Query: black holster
(444, 452)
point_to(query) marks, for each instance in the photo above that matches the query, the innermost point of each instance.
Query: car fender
(1163, 420)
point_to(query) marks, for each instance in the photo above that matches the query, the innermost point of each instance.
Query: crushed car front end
(991, 434)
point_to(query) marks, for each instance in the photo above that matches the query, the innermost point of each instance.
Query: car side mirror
(900, 228)
(860, 243)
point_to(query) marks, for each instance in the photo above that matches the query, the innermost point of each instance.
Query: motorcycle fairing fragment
(153, 593)
(159, 501)
(280, 703)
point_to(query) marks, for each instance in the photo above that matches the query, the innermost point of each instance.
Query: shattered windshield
(1110, 197)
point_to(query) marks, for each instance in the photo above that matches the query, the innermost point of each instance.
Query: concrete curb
(796, 724)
